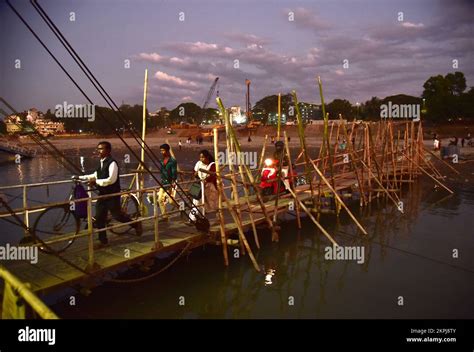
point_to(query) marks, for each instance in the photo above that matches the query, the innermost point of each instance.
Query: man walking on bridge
(107, 180)
(169, 174)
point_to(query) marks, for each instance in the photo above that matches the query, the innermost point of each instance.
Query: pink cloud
(412, 25)
(152, 57)
(164, 77)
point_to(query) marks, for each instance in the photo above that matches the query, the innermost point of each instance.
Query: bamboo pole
(232, 155)
(444, 161)
(433, 178)
(312, 218)
(26, 215)
(336, 148)
(142, 155)
(247, 200)
(241, 232)
(221, 191)
(155, 220)
(430, 166)
(262, 155)
(235, 192)
(367, 146)
(145, 88)
(350, 148)
(279, 117)
(411, 141)
(292, 180)
(90, 230)
(338, 198)
(250, 177)
(280, 162)
(380, 184)
(303, 145)
(392, 152)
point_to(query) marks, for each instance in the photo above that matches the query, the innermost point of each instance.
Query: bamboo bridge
(376, 160)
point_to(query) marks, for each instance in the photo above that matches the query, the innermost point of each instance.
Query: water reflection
(269, 275)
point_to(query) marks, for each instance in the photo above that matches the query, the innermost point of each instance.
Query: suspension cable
(202, 221)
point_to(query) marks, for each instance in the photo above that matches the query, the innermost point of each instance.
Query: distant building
(44, 126)
(310, 111)
(13, 124)
(273, 119)
(49, 128)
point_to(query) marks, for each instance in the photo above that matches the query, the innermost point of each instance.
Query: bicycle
(63, 221)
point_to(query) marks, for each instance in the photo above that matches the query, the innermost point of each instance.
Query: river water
(416, 265)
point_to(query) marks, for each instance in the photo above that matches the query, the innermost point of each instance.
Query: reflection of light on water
(20, 173)
(268, 276)
(82, 163)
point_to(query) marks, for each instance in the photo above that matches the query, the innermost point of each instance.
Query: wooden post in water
(220, 189)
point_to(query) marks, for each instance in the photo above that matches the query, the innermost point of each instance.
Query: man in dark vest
(107, 181)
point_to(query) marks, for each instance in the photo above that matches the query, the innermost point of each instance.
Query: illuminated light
(268, 277)
(268, 162)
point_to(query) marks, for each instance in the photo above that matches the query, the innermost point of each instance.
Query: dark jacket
(104, 173)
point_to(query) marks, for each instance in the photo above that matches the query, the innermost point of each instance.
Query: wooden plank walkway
(51, 273)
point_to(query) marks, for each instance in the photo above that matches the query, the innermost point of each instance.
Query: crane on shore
(208, 98)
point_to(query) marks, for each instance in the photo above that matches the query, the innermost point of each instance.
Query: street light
(357, 104)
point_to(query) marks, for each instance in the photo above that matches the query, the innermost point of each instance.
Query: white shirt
(113, 174)
(200, 165)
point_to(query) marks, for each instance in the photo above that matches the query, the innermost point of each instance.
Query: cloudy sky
(388, 46)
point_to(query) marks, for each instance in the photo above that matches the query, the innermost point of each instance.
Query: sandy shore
(154, 141)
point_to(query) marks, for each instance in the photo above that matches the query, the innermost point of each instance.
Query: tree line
(444, 98)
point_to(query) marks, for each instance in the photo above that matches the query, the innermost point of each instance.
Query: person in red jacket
(268, 178)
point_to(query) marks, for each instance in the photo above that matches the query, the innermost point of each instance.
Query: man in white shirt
(106, 179)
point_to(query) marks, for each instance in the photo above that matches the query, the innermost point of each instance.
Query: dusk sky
(385, 56)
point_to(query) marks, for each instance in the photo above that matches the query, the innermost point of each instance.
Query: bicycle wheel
(54, 223)
(129, 205)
